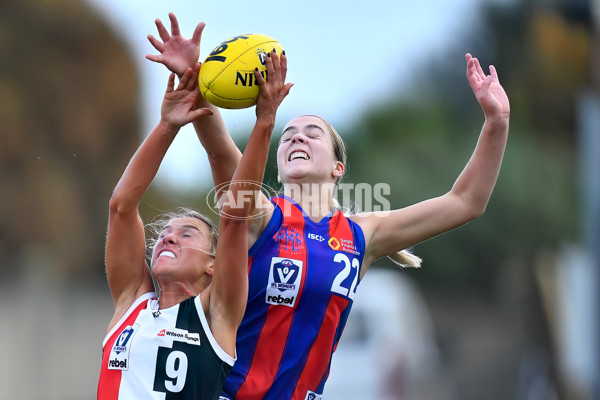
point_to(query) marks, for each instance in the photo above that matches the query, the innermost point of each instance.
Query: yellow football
(227, 75)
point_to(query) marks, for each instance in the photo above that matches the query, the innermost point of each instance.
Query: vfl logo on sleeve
(119, 354)
(284, 281)
(310, 395)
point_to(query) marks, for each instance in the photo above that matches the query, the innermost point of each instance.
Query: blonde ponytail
(406, 259)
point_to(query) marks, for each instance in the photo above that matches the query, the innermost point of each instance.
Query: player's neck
(315, 199)
(174, 293)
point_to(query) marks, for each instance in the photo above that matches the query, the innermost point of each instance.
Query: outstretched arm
(470, 193)
(475, 184)
(178, 53)
(229, 287)
(126, 268)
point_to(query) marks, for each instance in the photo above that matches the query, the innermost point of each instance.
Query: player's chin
(297, 174)
(163, 265)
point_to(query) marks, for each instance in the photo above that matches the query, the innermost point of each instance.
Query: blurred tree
(420, 142)
(70, 122)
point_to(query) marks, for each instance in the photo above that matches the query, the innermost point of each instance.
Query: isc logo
(316, 237)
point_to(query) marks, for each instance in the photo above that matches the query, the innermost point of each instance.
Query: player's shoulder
(261, 221)
(363, 219)
(368, 222)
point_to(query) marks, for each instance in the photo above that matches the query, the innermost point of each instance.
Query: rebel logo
(280, 300)
(117, 364)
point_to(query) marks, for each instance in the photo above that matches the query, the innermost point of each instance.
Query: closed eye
(189, 231)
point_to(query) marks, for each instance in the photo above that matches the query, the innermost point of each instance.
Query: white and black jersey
(162, 354)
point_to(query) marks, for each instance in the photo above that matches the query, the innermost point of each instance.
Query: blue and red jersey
(302, 281)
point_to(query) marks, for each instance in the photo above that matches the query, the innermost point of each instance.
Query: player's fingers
(287, 88)
(174, 24)
(259, 78)
(157, 58)
(494, 73)
(473, 73)
(171, 82)
(184, 80)
(269, 62)
(486, 85)
(201, 112)
(157, 44)
(197, 68)
(162, 31)
(283, 61)
(276, 60)
(279, 72)
(479, 70)
(471, 69)
(193, 79)
(198, 33)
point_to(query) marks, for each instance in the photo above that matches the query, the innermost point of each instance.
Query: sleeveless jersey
(162, 354)
(302, 281)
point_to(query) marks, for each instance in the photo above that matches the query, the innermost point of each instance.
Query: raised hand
(178, 104)
(487, 89)
(274, 89)
(176, 52)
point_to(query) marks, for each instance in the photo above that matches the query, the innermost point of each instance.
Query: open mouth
(167, 253)
(298, 155)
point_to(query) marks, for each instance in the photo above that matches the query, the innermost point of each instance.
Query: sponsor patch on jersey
(180, 335)
(119, 354)
(284, 281)
(310, 395)
(334, 243)
(346, 245)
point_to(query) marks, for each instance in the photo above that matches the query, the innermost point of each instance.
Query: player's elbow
(465, 207)
(120, 204)
(115, 203)
(474, 208)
